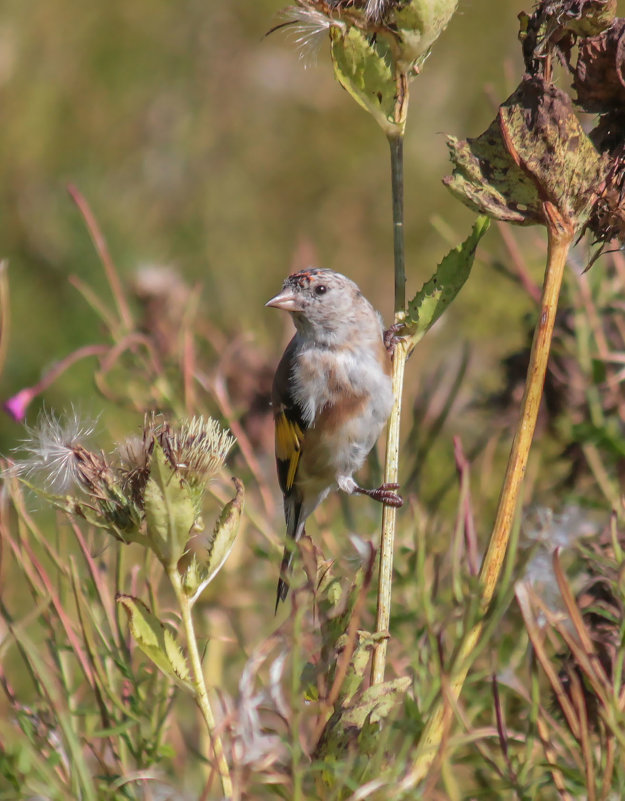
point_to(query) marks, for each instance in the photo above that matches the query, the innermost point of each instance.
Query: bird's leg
(384, 494)
(390, 337)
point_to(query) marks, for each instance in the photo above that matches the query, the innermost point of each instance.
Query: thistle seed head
(55, 452)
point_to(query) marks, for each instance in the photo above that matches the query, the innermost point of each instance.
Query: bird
(332, 395)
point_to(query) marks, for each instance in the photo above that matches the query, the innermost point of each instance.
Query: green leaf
(359, 721)
(358, 664)
(156, 641)
(436, 295)
(336, 607)
(226, 530)
(169, 510)
(363, 70)
(418, 24)
(71, 505)
(204, 566)
(376, 702)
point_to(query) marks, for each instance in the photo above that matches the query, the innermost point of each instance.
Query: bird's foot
(385, 493)
(390, 337)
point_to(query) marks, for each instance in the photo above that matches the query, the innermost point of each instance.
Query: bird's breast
(346, 398)
(341, 383)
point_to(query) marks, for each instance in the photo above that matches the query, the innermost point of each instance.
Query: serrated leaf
(436, 295)
(361, 719)
(336, 606)
(169, 510)
(155, 640)
(193, 574)
(205, 565)
(308, 682)
(362, 69)
(226, 530)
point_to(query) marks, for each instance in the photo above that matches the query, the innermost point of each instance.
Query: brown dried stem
(560, 236)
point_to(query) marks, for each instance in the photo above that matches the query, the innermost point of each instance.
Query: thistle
(376, 47)
(148, 491)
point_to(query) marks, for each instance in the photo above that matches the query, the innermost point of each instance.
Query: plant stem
(389, 515)
(197, 673)
(391, 464)
(397, 186)
(560, 235)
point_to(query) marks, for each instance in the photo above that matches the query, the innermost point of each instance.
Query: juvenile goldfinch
(331, 397)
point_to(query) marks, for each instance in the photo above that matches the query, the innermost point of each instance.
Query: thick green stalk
(560, 238)
(199, 684)
(391, 465)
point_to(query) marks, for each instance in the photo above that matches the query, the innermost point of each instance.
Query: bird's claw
(384, 494)
(390, 337)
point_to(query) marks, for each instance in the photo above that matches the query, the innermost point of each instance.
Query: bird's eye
(321, 289)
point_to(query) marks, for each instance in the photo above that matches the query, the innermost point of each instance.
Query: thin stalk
(397, 186)
(99, 242)
(391, 464)
(5, 312)
(389, 516)
(560, 235)
(199, 684)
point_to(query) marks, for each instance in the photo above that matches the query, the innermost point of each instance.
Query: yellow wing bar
(289, 438)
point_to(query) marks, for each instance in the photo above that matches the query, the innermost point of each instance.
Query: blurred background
(216, 159)
(205, 146)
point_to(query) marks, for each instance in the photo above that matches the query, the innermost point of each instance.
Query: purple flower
(17, 405)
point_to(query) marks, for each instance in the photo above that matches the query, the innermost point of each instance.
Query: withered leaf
(546, 140)
(600, 71)
(535, 151)
(555, 25)
(486, 178)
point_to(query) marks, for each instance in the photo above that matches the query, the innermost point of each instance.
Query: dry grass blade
(102, 250)
(579, 626)
(608, 769)
(552, 759)
(5, 312)
(94, 301)
(577, 697)
(104, 595)
(536, 638)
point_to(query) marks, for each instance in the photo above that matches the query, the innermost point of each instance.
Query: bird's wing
(290, 433)
(289, 422)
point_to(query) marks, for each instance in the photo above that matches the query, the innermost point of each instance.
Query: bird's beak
(285, 300)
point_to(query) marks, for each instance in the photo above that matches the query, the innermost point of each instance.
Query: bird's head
(325, 306)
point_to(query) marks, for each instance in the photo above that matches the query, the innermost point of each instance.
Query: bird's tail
(285, 569)
(294, 530)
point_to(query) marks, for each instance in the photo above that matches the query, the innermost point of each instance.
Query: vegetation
(140, 656)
